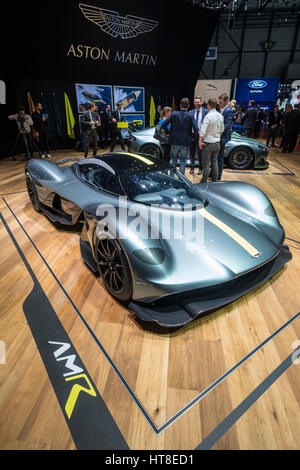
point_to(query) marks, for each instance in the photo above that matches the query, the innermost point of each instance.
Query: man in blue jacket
(182, 126)
(198, 114)
(226, 136)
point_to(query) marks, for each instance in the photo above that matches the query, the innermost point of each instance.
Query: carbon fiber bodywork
(203, 276)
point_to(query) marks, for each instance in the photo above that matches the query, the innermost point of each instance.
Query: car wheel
(113, 268)
(241, 158)
(32, 192)
(151, 149)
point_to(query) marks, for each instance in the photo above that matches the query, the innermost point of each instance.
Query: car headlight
(262, 147)
(154, 256)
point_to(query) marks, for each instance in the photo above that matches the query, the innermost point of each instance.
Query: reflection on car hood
(150, 132)
(240, 138)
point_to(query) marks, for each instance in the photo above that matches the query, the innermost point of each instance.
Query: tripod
(27, 142)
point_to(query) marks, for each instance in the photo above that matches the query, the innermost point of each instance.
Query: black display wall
(51, 46)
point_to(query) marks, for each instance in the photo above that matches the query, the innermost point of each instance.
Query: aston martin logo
(115, 25)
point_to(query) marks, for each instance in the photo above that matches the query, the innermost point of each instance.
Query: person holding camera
(25, 123)
(41, 128)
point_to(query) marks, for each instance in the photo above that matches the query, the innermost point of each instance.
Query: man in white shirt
(209, 141)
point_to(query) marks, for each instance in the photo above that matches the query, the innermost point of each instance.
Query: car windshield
(165, 186)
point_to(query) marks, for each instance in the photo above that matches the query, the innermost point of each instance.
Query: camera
(21, 119)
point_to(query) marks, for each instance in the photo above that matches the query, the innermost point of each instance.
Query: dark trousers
(44, 141)
(114, 135)
(105, 135)
(166, 152)
(272, 134)
(195, 146)
(28, 144)
(100, 135)
(289, 141)
(210, 154)
(247, 132)
(91, 137)
(257, 129)
(221, 160)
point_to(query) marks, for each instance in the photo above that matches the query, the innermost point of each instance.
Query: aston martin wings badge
(115, 25)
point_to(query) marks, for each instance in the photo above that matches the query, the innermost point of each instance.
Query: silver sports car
(241, 153)
(133, 208)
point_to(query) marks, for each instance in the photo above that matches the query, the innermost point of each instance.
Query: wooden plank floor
(165, 370)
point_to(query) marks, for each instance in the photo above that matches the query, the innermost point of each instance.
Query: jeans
(183, 151)
(210, 154)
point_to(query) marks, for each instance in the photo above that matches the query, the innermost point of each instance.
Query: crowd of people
(207, 128)
(96, 126)
(283, 123)
(203, 130)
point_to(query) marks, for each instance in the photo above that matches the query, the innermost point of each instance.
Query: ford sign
(257, 84)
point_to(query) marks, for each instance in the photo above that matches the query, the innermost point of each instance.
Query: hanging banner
(139, 42)
(101, 95)
(212, 53)
(132, 99)
(212, 88)
(261, 90)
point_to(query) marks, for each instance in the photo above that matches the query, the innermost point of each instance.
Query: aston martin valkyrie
(241, 153)
(131, 206)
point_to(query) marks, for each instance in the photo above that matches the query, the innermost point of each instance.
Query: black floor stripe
(264, 172)
(11, 194)
(292, 240)
(240, 410)
(284, 166)
(111, 362)
(177, 415)
(228, 373)
(292, 246)
(89, 420)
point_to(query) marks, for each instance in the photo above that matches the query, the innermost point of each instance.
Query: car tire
(151, 149)
(240, 158)
(113, 268)
(32, 192)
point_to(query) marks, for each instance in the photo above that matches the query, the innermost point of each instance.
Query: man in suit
(157, 115)
(274, 125)
(292, 129)
(115, 131)
(258, 119)
(89, 125)
(106, 117)
(182, 126)
(249, 119)
(198, 114)
(99, 127)
(226, 136)
(288, 108)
